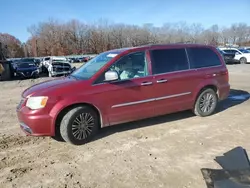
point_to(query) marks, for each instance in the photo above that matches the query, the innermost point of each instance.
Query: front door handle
(161, 81)
(146, 83)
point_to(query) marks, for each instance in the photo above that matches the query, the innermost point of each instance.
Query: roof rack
(185, 42)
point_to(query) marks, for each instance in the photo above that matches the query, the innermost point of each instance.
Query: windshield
(94, 65)
(244, 51)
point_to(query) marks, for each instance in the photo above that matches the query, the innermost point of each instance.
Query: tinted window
(168, 60)
(202, 57)
(231, 51)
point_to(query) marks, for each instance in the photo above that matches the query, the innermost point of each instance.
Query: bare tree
(74, 37)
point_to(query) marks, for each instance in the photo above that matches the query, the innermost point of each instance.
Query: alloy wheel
(82, 126)
(207, 102)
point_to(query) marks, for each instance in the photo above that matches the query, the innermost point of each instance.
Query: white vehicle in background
(240, 54)
(54, 66)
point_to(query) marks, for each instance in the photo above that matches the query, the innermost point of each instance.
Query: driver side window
(131, 66)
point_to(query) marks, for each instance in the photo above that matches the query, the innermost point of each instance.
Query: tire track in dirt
(8, 141)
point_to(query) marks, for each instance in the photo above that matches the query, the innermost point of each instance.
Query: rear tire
(79, 125)
(206, 103)
(243, 60)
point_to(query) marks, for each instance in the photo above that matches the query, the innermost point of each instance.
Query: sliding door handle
(146, 83)
(161, 81)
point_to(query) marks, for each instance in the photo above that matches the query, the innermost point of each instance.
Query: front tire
(79, 125)
(206, 103)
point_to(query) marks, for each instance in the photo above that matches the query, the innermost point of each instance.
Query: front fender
(68, 101)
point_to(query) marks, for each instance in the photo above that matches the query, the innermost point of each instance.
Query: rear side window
(168, 60)
(202, 57)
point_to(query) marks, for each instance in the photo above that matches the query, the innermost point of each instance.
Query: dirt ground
(166, 151)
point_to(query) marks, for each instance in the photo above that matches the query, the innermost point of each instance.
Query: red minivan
(124, 85)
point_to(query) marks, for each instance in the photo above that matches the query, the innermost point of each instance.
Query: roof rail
(185, 42)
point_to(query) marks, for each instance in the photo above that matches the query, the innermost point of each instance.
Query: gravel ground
(166, 151)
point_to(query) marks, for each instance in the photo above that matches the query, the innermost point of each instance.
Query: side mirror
(237, 53)
(111, 76)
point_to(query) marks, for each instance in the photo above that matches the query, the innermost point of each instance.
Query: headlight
(35, 103)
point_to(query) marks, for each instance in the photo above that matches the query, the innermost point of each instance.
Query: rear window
(202, 57)
(169, 60)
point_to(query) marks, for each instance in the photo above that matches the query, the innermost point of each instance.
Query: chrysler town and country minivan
(125, 85)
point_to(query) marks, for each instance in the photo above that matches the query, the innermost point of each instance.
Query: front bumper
(60, 73)
(27, 74)
(35, 125)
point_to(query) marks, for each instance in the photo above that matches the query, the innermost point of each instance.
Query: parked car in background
(242, 55)
(55, 66)
(243, 50)
(26, 68)
(229, 57)
(73, 60)
(37, 62)
(85, 59)
(247, 48)
(125, 85)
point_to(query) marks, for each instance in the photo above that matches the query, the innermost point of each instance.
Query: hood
(26, 69)
(41, 87)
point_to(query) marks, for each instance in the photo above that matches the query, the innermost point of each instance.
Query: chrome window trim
(150, 100)
(120, 81)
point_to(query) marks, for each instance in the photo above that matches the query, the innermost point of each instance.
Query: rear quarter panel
(215, 76)
(200, 80)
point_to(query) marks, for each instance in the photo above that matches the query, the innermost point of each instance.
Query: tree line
(53, 37)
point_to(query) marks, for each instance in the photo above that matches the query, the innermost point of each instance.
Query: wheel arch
(66, 109)
(211, 86)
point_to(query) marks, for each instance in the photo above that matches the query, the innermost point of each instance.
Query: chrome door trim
(172, 96)
(150, 100)
(133, 103)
